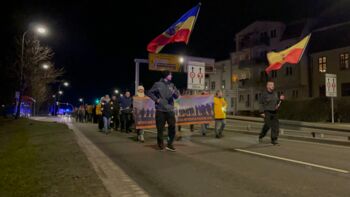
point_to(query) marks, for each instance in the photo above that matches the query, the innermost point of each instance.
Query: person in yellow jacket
(220, 106)
(99, 115)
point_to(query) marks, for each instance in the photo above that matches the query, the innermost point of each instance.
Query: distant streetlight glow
(81, 100)
(45, 66)
(53, 96)
(41, 30)
(60, 92)
(66, 84)
(181, 60)
(116, 91)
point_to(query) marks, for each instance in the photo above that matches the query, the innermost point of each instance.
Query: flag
(291, 55)
(180, 31)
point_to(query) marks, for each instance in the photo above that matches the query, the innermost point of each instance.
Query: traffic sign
(161, 62)
(331, 85)
(196, 76)
(208, 62)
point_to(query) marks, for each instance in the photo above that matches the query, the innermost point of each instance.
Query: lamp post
(41, 31)
(82, 101)
(60, 93)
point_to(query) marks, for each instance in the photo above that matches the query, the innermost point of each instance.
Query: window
(273, 33)
(232, 101)
(213, 85)
(263, 36)
(322, 91)
(345, 89)
(263, 54)
(248, 101)
(322, 64)
(223, 84)
(242, 82)
(274, 74)
(289, 71)
(241, 98)
(256, 97)
(344, 61)
(295, 93)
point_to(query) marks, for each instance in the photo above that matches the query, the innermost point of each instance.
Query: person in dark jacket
(163, 94)
(270, 103)
(106, 109)
(126, 112)
(115, 113)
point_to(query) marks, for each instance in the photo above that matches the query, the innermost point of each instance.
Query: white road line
(293, 161)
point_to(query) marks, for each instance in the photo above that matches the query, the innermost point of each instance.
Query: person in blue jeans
(107, 112)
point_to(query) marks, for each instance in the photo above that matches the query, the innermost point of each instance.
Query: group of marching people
(117, 113)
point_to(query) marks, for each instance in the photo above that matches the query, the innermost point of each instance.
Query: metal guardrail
(322, 126)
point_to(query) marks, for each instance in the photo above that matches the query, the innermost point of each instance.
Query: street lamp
(45, 66)
(41, 31)
(66, 84)
(116, 91)
(81, 100)
(60, 92)
(181, 59)
(54, 96)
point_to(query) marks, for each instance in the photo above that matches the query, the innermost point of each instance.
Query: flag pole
(195, 20)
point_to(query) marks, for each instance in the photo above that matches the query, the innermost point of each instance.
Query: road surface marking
(293, 161)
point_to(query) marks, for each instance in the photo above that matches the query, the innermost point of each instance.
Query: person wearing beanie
(163, 94)
(140, 132)
(126, 112)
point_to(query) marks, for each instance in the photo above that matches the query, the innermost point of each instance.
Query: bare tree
(36, 80)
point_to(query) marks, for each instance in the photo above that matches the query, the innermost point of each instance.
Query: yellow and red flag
(291, 55)
(180, 31)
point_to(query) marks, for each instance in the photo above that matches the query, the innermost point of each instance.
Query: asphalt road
(235, 165)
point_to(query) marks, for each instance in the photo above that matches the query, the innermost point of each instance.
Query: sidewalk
(116, 181)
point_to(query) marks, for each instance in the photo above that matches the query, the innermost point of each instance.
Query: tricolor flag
(291, 55)
(180, 31)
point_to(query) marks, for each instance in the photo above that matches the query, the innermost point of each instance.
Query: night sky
(97, 41)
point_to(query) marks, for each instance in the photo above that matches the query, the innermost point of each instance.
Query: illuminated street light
(60, 92)
(116, 91)
(81, 100)
(45, 66)
(41, 30)
(66, 84)
(181, 59)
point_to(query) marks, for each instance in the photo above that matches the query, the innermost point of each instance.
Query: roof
(333, 37)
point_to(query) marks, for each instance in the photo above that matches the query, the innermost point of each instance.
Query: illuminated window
(322, 64)
(344, 61)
